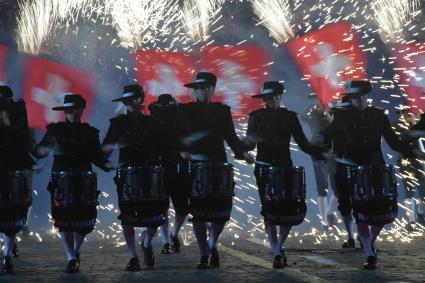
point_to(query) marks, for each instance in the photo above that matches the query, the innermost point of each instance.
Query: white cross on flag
(329, 57)
(45, 84)
(410, 65)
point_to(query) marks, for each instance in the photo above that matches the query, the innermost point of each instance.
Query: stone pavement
(242, 260)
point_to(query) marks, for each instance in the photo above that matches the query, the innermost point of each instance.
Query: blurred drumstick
(421, 144)
(195, 157)
(263, 163)
(345, 161)
(194, 137)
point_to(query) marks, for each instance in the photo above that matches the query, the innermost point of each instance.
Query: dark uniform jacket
(168, 131)
(359, 133)
(136, 136)
(271, 130)
(14, 149)
(216, 119)
(75, 146)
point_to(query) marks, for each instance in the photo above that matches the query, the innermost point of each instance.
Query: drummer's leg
(215, 231)
(321, 174)
(68, 244)
(149, 234)
(271, 232)
(200, 230)
(165, 230)
(78, 242)
(365, 237)
(283, 234)
(374, 233)
(8, 242)
(130, 239)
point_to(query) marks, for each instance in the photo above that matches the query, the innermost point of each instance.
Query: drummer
(136, 135)
(75, 145)
(14, 156)
(206, 126)
(360, 128)
(271, 129)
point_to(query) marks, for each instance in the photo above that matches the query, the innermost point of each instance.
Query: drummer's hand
(328, 155)
(37, 168)
(248, 157)
(43, 151)
(186, 155)
(109, 166)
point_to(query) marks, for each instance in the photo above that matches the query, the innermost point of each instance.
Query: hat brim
(354, 94)
(198, 85)
(261, 95)
(121, 99)
(62, 108)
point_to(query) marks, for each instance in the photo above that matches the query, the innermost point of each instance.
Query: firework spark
(198, 15)
(393, 15)
(141, 22)
(275, 15)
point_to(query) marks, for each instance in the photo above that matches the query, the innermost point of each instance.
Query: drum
(211, 179)
(369, 183)
(140, 184)
(73, 188)
(283, 183)
(13, 189)
(373, 194)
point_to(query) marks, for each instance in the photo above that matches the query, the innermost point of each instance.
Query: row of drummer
(179, 152)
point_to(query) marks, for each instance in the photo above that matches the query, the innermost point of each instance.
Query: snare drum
(74, 188)
(211, 179)
(283, 183)
(369, 183)
(140, 184)
(14, 190)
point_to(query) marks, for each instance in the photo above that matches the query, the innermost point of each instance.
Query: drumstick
(421, 144)
(263, 163)
(345, 161)
(196, 136)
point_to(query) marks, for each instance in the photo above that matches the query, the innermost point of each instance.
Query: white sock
(8, 244)
(410, 204)
(322, 203)
(68, 244)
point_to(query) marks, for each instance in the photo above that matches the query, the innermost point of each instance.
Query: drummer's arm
(43, 148)
(110, 140)
(230, 135)
(392, 139)
(252, 136)
(97, 156)
(301, 140)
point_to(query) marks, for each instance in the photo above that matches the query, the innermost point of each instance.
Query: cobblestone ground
(244, 260)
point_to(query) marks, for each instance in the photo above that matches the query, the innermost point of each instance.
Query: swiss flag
(162, 72)
(3, 56)
(240, 70)
(44, 86)
(410, 65)
(329, 57)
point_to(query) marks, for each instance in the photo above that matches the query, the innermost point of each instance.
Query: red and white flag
(240, 70)
(45, 84)
(410, 65)
(329, 57)
(3, 57)
(162, 72)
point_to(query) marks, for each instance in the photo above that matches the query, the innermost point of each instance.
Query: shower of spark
(199, 15)
(393, 15)
(276, 16)
(37, 20)
(144, 21)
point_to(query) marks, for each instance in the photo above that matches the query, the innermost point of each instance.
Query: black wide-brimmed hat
(203, 80)
(72, 101)
(164, 101)
(131, 92)
(357, 88)
(6, 91)
(4, 103)
(273, 88)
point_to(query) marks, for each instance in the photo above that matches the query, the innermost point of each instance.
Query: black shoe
(278, 262)
(166, 249)
(72, 266)
(15, 251)
(148, 258)
(370, 263)
(214, 258)
(7, 264)
(133, 265)
(332, 219)
(175, 243)
(77, 257)
(203, 263)
(349, 244)
(410, 227)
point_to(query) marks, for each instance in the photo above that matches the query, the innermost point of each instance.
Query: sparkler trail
(276, 16)
(393, 15)
(198, 15)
